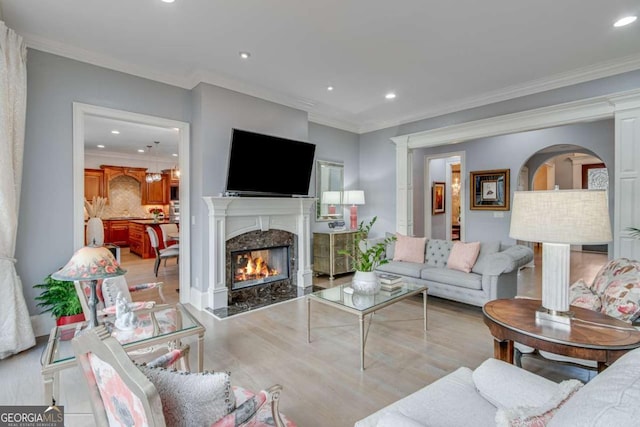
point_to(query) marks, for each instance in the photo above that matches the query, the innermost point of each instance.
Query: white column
(404, 181)
(218, 292)
(304, 274)
(626, 178)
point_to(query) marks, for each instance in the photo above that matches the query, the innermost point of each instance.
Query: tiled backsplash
(125, 197)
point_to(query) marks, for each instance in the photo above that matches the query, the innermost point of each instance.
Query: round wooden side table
(591, 335)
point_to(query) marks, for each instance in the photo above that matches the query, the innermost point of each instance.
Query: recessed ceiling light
(115, 132)
(245, 55)
(140, 150)
(390, 95)
(168, 1)
(176, 129)
(329, 88)
(100, 146)
(174, 155)
(625, 21)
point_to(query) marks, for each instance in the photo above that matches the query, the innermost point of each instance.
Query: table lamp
(354, 198)
(90, 263)
(331, 198)
(558, 219)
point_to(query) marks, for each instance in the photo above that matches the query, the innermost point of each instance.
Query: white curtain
(16, 333)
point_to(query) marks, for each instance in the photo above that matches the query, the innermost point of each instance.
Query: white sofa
(494, 274)
(497, 390)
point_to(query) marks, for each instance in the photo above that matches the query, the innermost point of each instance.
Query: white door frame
(80, 111)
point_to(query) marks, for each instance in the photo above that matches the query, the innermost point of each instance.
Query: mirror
(329, 186)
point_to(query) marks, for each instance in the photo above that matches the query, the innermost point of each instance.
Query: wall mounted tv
(264, 165)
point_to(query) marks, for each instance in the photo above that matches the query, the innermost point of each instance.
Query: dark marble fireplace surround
(261, 294)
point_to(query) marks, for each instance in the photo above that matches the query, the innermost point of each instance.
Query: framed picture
(437, 198)
(490, 190)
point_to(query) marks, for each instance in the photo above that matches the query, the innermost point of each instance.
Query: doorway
(82, 115)
(445, 169)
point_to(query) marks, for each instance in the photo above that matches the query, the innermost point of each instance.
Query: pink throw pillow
(410, 249)
(463, 256)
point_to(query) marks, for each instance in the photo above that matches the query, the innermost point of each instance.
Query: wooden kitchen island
(139, 242)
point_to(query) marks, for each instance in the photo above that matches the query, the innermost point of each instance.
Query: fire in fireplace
(259, 266)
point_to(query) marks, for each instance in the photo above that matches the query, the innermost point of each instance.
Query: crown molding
(323, 114)
(326, 120)
(105, 61)
(592, 72)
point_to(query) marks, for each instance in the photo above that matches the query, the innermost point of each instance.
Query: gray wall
(336, 145)
(45, 229)
(512, 152)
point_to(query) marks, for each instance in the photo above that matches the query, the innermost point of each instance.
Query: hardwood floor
(323, 384)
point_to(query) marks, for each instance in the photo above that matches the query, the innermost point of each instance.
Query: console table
(592, 335)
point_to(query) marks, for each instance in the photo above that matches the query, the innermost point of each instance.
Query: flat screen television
(264, 165)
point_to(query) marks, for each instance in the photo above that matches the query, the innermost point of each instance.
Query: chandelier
(155, 176)
(455, 187)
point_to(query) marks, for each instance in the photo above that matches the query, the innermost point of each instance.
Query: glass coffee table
(361, 305)
(59, 354)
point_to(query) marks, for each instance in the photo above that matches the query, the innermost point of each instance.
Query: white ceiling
(438, 56)
(132, 137)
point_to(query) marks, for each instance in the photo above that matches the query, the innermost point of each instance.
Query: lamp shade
(561, 216)
(331, 197)
(90, 263)
(354, 197)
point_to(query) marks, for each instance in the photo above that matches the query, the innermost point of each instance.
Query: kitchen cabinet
(326, 259)
(118, 232)
(157, 192)
(93, 184)
(139, 242)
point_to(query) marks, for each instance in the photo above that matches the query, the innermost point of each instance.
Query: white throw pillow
(507, 386)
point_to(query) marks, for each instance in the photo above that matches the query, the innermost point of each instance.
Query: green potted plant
(366, 257)
(61, 300)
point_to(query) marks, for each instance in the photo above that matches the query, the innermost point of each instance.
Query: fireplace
(259, 266)
(240, 226)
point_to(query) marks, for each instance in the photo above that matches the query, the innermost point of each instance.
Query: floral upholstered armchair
(124, 393)
(615, 291)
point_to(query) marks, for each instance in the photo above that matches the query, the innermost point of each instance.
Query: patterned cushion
(582, 296)
(410, 249)
(463, 256)
(618, 284)
(121, 405)
(192, 399)
(247, 404)
(438, 252)
(537, 416)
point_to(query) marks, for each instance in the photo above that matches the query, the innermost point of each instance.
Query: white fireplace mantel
(232, 216)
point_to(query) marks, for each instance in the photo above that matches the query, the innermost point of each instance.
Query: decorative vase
(363, 301)
(95, 232)
(365, 282)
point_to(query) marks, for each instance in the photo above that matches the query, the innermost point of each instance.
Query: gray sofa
(497, 391)
(494, 275)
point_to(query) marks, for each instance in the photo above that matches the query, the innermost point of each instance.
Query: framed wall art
(437, 198)
(490, 190)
